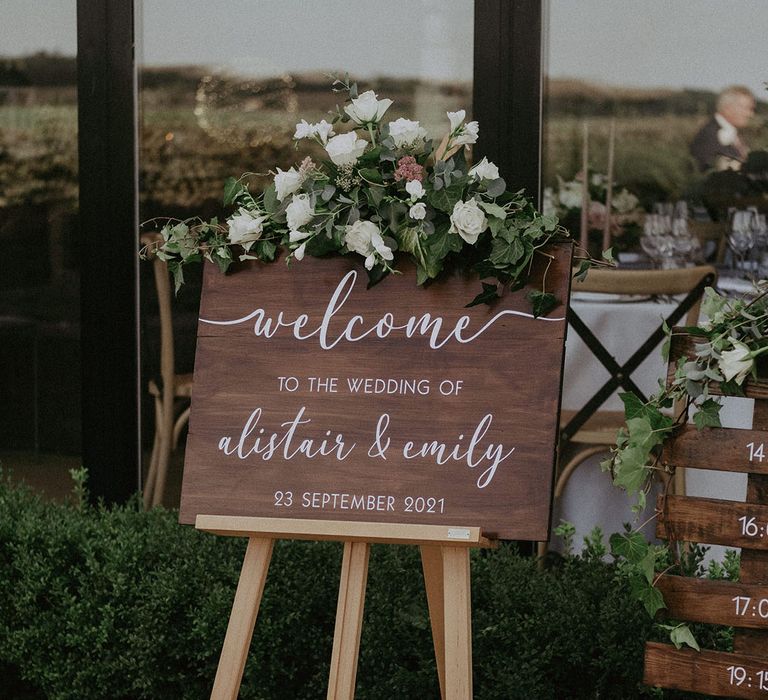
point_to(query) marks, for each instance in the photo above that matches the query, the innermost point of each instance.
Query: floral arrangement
(383, 189)
(626, 212)
(729, 343)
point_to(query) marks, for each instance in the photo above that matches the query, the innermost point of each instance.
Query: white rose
(468, 134)
(299, 211)
(484, 170)
(456, 118)
(323, 130)
(287, 182)
(570, 195)
(358, 236)
(345, 148)
(737, 363)
(304, 130)
(364, 238)
(245, 228)
(468, 220)
(405, 132)
(415, 189)
(418, 211)
(624, 202)
(367, 108)
(299, 252)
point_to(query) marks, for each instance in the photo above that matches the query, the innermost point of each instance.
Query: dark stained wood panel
(709, 672)
(722, 449)
(715, 602)
(712, 521)
(466, 428)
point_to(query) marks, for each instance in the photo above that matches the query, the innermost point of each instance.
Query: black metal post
(107, 148)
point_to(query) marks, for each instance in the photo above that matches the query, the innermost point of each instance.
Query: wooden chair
(172, 393)
(591, 430)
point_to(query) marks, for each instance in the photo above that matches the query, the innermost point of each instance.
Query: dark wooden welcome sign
(317, 398)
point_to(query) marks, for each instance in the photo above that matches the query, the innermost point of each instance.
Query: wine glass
(740, 237)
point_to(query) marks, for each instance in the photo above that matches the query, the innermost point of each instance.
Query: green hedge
(122, 604)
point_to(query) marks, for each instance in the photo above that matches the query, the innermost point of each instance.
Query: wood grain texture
(722, 449)
(754, 564)
(704, 672)
(508, 400)
(711, 521)
(703, 600)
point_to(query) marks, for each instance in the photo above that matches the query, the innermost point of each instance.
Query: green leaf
(488, 294)
(371, 175)
(649, 596)
(266, 250)
(496, 187)
(505, 252)
(581, 274)
(667, 342)
(494, 210)
(445, 198)
(270, 199)
(542, 302)
(630, 545)
(607, 255)
(441, 242)
(682, 635)
(232, 189)
(708, 415)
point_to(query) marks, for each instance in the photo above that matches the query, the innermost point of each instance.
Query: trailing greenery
(124, 604)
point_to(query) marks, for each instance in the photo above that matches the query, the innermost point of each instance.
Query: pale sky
(643, 43)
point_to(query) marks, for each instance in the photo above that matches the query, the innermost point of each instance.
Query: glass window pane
(654, 69)
(39, 285)
(213, 108)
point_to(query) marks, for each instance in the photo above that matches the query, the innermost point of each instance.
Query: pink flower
(408, 169)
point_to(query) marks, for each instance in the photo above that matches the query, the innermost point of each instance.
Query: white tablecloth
(589, 498)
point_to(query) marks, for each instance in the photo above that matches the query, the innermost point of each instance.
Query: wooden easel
(445, 561)
(743, 605)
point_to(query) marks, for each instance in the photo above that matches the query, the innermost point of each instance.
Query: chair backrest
(688, 283)
(648, 283)
(164, 305)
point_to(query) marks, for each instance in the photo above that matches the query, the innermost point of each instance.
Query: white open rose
(625, 202)
(364, 238)
(736, 364)
(415, 189)
(405, 132)
(468, 220)
(304, 130)
(345, 149)
(299, 211)
(418, 211)
(287, 182)
(245, 227)
(484, 170)
(570, 194)
(367, 108)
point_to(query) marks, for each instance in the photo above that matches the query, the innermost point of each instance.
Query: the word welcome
(356, 329)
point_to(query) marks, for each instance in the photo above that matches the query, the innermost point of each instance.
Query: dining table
(621, 324)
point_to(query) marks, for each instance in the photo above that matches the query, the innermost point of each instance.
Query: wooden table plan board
(325, 410)
(742, 604)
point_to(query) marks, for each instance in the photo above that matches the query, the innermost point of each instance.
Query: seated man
(717, 145)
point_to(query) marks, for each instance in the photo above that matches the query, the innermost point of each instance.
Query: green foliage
(362, 207)
(127, 604)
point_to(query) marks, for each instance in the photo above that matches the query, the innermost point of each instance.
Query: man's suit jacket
(707, 149)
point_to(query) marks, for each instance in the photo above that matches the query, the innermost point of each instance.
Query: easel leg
(349, 621)
(243, 618)
(458, 623)
(432, 565)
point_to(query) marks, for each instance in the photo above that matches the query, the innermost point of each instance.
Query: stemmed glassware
(741, 236)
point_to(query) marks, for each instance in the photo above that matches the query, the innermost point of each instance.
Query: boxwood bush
(123, 604)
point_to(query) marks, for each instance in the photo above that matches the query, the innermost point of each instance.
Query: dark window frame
(507, 101)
